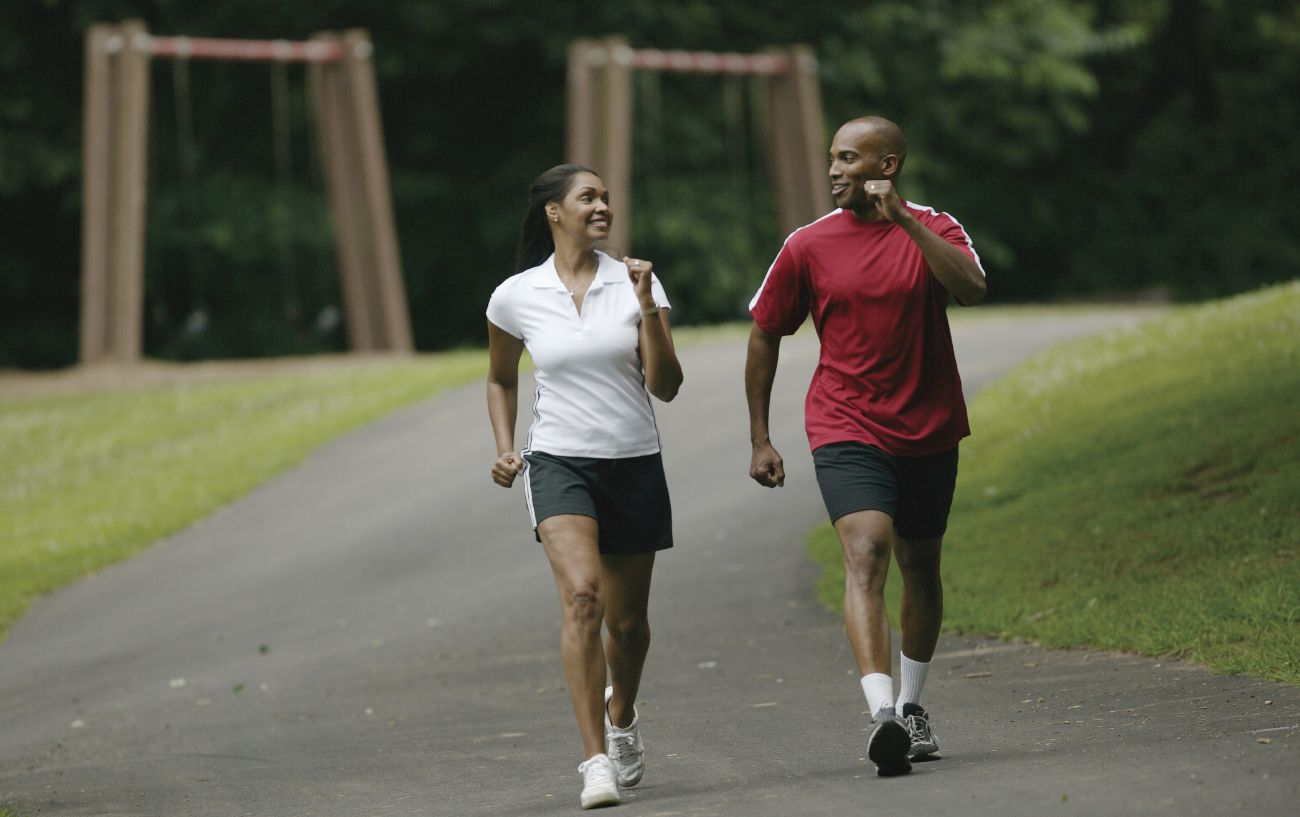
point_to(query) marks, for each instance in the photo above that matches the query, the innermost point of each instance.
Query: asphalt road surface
(375, 633)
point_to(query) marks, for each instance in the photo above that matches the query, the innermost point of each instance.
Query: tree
(1089, 147)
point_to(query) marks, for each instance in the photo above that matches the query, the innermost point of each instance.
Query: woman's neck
(575, 260)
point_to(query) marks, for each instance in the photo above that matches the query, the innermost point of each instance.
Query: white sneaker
(599, 783)
(624, 746)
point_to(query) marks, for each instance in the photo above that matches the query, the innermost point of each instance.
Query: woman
(598, 333)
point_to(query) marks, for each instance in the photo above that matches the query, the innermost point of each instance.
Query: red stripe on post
(709, 62)
(208, 48)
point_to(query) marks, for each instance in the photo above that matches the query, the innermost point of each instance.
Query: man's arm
(955, 269)
(765, 466)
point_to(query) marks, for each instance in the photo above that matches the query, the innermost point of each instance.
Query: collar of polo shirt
(608, 271)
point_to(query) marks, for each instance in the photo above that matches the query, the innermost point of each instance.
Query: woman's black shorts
(627, 497)
(915, 491)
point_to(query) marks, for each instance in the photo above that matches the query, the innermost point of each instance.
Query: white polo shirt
(591, 399)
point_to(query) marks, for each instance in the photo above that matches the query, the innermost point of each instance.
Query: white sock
(909, 689)
(879, 689)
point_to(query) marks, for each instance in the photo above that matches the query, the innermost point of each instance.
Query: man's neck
(869, 213)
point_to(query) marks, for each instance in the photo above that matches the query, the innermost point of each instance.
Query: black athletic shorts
(627, 497)
(915, 491)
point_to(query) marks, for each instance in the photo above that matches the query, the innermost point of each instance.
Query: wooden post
(783, 144)
(615, 162)
(130, 152)
(580, 148)
(390, 291)
(599, 118)
(329, 98)
(96, 145)
(798, 169)
(812, 137)
(114, 190)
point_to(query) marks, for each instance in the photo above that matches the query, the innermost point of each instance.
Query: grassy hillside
(91, 478)
(1137, 491)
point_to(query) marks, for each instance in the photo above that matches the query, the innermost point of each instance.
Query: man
(884, 412)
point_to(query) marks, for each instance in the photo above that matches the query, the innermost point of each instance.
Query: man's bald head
(875, 135)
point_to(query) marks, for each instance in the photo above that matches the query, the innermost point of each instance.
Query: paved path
(375, 633)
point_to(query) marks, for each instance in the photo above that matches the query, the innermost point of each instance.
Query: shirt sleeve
(781, 303)
(950, 230)
(501, 312)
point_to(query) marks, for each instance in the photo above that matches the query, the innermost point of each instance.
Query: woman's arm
(504, 351)
(663, 372)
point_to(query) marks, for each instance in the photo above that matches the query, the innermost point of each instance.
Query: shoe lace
(623, 743)
(917, 726)
(596, 770)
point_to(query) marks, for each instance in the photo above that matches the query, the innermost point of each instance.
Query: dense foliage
(1090, 148)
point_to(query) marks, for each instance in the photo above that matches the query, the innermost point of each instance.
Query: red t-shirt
(887, 375)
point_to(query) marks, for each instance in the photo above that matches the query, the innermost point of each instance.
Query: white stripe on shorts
(528, 488)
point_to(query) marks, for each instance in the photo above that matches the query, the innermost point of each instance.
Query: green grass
(89, 479)
(1136, 491)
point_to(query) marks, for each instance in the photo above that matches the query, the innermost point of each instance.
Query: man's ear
(889, 165)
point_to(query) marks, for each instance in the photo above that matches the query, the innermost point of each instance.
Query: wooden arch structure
(115, 151)
(600, 119)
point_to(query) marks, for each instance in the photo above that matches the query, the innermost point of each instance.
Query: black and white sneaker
(917, 721)
(888, 744)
